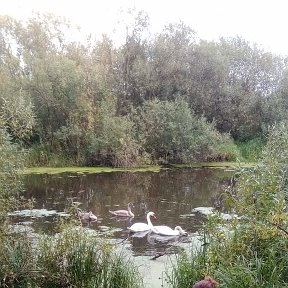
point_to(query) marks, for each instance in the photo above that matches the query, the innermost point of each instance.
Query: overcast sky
(261, 21)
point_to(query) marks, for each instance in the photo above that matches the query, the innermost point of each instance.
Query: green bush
(12, 160)
(251, 150)
(11, 163)
(250, 251)
(39, 155)
(112, 143)
(170, 132)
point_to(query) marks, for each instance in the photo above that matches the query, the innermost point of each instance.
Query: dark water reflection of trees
(169, 193)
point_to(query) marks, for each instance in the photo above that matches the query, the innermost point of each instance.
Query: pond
(171, 194)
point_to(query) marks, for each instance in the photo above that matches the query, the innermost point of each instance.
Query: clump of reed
(251, 150)
(71, 258)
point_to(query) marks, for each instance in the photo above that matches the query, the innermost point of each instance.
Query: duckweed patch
(155, 168)
(87, 170)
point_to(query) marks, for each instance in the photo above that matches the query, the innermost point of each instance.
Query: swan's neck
(180, 230)
(130, 212)
(149, 221)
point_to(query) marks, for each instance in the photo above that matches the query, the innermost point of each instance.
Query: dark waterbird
(86, 216)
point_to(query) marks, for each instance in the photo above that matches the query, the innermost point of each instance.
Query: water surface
(171, 194)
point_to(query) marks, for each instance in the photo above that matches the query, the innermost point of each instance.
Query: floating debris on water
(184, 216)
(19, 228)
(204, 210)
(37, 213)
(103, 228)
(211, 211)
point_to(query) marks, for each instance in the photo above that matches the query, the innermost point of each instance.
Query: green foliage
(170, 132)
(251, 150)
(112, 142)
(72, 258)
(75, 99)
(17, 114)
(39, 155)
(11, 163)
(11, 166)
(186, 268)
(250, 251)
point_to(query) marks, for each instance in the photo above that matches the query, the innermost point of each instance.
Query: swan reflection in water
(122, 219)
(152, 238)
(140, 234)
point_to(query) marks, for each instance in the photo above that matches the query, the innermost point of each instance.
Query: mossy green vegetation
(250, 250)
(92, 170)
(152, 168)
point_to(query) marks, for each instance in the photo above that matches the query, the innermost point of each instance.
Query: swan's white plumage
(139, 227)
(167, 231)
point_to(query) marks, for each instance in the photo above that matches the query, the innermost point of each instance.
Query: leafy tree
(112, 142)
(130, 68)
(279, 103)
(16, 108)
(11, 165)
(253, 78)
(169, 62)
(52, 90)
(169, 131)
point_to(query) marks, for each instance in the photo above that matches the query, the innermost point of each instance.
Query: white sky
(261, 21)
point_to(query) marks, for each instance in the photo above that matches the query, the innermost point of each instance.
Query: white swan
(167, 231)
(86, 216)
(123, 213)
(139, 227)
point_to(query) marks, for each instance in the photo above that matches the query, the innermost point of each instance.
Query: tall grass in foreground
(69, 259)
(186, 268)
(232, 265)
(250, 251)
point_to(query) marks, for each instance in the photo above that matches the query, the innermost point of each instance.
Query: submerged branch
(165, 251)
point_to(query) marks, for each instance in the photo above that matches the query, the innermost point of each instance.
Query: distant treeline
(171, 97)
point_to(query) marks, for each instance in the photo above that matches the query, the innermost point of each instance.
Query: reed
(187, 268)
(251, 150)
(70, 259)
